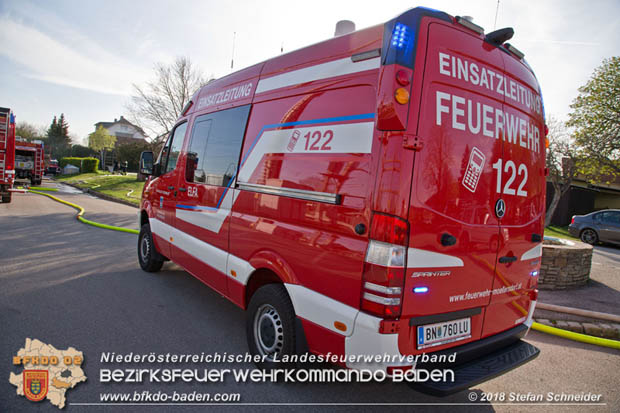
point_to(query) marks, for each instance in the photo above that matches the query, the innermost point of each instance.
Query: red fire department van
(379, 193)
(7, 153)
(29, 160)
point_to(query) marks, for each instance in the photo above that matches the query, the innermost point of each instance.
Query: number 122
(510, 165)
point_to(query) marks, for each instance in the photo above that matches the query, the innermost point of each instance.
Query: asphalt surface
(70, 284)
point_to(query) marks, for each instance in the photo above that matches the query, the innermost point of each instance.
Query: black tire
(270, 326)
(148, 257)
(589, 236)
(6, 199)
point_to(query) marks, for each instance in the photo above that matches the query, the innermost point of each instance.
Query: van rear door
(454, 231)
(519, 177)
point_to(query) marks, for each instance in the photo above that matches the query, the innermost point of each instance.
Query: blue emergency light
(401, 36)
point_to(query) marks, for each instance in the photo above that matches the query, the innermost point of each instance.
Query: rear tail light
(389, 229)
(402, 78)
(383, 278)
(572, 220)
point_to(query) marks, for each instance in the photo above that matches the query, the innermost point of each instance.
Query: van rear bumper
(481, 360)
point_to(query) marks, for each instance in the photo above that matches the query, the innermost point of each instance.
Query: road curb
(603, 330)
(100, 195)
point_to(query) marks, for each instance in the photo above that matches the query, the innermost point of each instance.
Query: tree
(80, 151)
(157, 105)
(58, 137)
(130, 153)
(596, 118)
(27, 131)
(561, 161)
(100, 140)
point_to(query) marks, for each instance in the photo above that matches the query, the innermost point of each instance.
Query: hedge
(86, 165)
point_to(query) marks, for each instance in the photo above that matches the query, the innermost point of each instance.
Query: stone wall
(565, 264)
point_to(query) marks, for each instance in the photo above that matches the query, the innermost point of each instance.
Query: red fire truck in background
(29, 161)
(7, 153)
(378, 194)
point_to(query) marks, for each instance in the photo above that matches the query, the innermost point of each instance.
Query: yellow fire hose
(584, 338)
(81, 212)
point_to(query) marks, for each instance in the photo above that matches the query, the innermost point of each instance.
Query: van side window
(173, 148)
(214, 150)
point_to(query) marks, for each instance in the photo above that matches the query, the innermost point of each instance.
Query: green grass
(116, 186)
(558, 232)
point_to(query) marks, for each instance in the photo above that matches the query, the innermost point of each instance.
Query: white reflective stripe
(347, 138)
(532, 253)
(242, 268)
(367, 341)
(317, 72)
(417, 258)
(321, 309)
(209, 219)
(160, 228)
(205, 252)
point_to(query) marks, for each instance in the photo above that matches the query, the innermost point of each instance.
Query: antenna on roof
(232, 59)
(496, 12)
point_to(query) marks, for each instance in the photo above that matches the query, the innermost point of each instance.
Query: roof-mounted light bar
(470, 25)
(514, 50)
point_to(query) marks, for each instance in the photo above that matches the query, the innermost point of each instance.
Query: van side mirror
(146, 163)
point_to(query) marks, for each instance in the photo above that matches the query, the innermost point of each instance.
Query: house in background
(584, 197)
(125, 133)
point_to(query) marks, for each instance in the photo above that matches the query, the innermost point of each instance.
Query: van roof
(214, 93)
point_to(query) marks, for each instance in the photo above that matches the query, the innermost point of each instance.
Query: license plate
(431, 335)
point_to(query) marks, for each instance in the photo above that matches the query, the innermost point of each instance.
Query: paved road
(69, 284)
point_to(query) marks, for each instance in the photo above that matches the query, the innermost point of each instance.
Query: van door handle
(507, 260)
(171, 187)
(447, 239)
(183, 189)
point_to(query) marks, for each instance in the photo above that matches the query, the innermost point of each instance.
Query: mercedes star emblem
(500, 208)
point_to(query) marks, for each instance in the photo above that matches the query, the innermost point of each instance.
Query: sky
(81, 58)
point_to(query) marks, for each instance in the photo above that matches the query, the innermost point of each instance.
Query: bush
(86, 165)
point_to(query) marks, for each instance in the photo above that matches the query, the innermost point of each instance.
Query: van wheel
(270, 325)
(589, 236)
(148, 257)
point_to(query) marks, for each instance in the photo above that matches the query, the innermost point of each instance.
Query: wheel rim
(145, 248)
(268, 331)
(588, 236)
